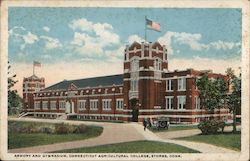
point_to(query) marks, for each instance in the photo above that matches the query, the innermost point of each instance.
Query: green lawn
(18, 140)
(133, 147)
(174, 128)
(227, 140)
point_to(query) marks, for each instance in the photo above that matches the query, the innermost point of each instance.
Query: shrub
(47, 130)
(80, 129)
(211, 126)
(61, 128)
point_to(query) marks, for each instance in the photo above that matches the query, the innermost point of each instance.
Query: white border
(244, 4)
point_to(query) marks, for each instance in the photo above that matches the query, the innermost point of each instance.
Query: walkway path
(186, 133)
(116, 133)
(201, 147)
(112, 133)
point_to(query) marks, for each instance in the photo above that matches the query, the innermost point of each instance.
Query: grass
(226, 140)
(174, 128)
(19, 140)
(133, 147)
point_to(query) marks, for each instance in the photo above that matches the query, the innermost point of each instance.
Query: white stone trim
(175, 77)
(183, 116)
(78, 96)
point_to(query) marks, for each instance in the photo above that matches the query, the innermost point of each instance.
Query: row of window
(135, 65)
(181, 84)
(181, 101)
(106, 104)
(169, 84)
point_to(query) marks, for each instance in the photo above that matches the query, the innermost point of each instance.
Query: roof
(88, 82)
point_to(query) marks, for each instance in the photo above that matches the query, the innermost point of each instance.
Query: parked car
(161, 123)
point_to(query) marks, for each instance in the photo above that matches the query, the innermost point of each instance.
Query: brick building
(146, 89)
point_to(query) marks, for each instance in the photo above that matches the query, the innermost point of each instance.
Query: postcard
(125, 80)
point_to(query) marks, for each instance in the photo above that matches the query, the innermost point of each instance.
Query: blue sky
(84, 42)
(219, 26)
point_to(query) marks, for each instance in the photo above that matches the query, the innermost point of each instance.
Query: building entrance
(133, 103)
(135, 113)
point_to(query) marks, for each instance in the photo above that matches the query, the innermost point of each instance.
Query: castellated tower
(144, 67)
(31, 85)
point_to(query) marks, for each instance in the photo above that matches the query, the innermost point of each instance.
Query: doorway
(133, 103)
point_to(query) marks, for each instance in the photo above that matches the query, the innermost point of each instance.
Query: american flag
(153, 25)
(36, 64)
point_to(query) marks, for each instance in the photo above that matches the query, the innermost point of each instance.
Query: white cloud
(30, 38)
(136, 38)
(193, 41)
(223, 45)
(22, 36)
(46, 28)
(81, 24)
(51, 43)
(92, 39)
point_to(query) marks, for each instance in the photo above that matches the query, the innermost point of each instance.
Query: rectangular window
(134, 85)
(182, 84)
(62, 104)
(106, 104)
(82, 104)
(197, 102)
(170, 102)
(119, 104)
(170, 85)
(45, 105)
(37, 104)
(93, 104)
(53, 104)
(181, 102)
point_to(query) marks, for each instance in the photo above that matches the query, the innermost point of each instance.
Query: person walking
(144, 124)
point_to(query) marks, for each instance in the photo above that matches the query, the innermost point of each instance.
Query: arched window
(134, 65)
(157, 64)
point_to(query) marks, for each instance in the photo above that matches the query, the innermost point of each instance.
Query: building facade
(146, 89)
(31, 85)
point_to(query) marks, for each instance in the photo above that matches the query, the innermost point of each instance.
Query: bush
(211, 126)
(80, 129)
(47, 130)
(61, 128)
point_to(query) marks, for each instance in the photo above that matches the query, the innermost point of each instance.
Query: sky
(74, 43)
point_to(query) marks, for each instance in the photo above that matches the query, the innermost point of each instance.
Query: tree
(212, 92)
(14, 100)
(234, 97)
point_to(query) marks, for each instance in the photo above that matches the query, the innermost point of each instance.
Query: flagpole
(33, 68)
(145, 29)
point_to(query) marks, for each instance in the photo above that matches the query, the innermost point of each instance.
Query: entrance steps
(23, 114)
(62, 117)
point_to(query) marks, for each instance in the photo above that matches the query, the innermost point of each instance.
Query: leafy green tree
(212, 92)
(234, 97)
(14, 100)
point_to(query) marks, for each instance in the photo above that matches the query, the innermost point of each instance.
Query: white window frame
(197, 103)
(52, 104)
(182, 84)
(169, 84)
(82, 104)
(119, 103)
(157, 64)
(169, 100)
(134, 84)
(106, 104)
(181, 102)
(62, 104)
(134, 66)
(94, 104)
(37, 104)
(45, 105)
